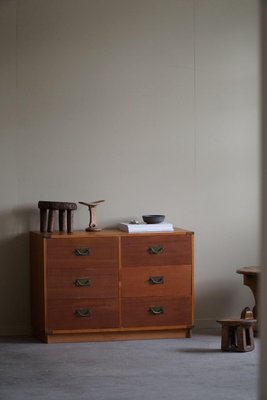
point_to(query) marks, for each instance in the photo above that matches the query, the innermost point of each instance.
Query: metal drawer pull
(156, 280)
(83, 312)
(156, 250)
(156, 310)
(82, 252)
(80, 282)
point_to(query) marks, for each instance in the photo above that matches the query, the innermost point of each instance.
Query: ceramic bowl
(153, 219)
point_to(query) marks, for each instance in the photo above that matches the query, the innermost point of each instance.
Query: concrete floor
(170, 369)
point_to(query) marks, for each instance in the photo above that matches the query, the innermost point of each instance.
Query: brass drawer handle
(156, 250)
(81, 282)
(82, 252)
(83, 312)
(156, 310)
(156, 280)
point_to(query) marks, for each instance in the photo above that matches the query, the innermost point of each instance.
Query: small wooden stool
(237, 334)
(47, 224)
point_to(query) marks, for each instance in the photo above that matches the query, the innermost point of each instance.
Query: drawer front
(82, 314)
(157, 311)
(156, 250)
(78, 282)
(96, 252)
(157, 281)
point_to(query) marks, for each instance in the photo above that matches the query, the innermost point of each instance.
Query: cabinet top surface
(107, 232)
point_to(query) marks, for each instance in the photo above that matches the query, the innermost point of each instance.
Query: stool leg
(43, 219)
(249, 334)
(62, 220)
(229, 340)
(225, 338)
(241, 338)
(69, 220)
(233, 337)
(245, 338)
(51, 220)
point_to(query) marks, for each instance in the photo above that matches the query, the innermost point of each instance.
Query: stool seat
(50, 207)
(237, 321)
(237, 334)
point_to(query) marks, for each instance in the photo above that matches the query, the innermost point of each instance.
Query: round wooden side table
(251, 279)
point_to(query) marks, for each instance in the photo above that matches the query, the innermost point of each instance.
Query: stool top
(236, 322)
(57, 205)
(249, 270)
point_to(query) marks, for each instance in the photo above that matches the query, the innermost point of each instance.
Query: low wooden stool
(50, 208)
(237, 335)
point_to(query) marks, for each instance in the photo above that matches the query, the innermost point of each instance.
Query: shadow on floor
(199, 351)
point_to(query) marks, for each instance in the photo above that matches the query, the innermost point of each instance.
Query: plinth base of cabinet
(68, 337)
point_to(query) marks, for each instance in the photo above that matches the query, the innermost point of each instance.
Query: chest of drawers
(110, 285)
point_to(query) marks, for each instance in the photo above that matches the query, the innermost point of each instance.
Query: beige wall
(152, 105)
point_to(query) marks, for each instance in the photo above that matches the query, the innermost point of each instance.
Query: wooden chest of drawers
(110, 285)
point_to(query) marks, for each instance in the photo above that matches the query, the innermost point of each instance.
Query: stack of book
(141, 228)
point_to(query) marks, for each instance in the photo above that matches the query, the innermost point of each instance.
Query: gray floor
(184, 369)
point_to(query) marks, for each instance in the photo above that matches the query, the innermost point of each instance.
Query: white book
(140, 228)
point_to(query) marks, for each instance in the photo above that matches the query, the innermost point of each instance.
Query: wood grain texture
(82, 282)
(38, 284)
(168, 281)
(177, 250)
(107, 286)
(136, 311)
(102, 252)
(62, 314)
(100, 336)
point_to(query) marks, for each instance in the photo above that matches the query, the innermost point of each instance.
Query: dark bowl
(153, 219)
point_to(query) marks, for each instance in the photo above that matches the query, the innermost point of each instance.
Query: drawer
(156, 311)
(82, 282)
(82, 314)
(81, 252)
(157, 281)
(156, 250)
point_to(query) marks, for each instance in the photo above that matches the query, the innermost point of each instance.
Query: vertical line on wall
(194, 62)
(16, 44)
(263, 280)
(194, 109)
(16, 99)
